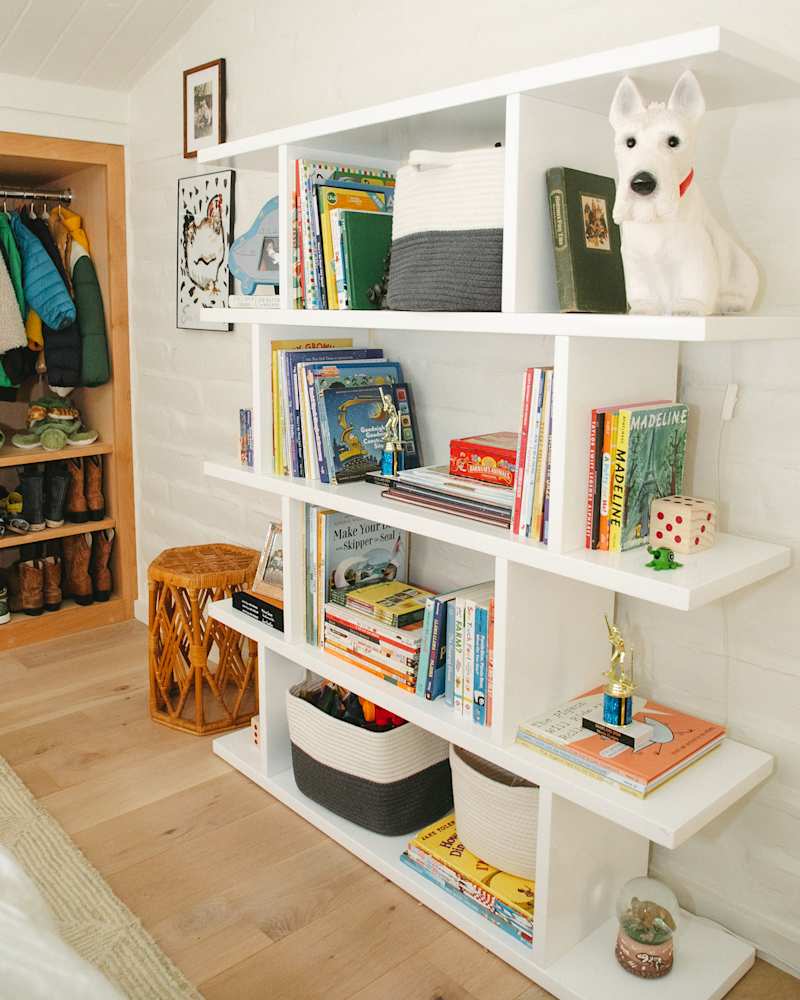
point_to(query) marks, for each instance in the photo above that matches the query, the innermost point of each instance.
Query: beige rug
(90, 917)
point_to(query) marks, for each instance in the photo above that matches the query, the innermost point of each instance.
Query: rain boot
(31, 486)
(57, 481)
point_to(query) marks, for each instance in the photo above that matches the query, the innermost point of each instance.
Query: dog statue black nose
(643, 183)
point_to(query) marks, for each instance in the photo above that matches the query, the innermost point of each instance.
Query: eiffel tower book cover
(650, 459)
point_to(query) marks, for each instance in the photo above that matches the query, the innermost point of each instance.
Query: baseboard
(140, 610)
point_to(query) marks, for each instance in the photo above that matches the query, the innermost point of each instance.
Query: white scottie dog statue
(677, 257)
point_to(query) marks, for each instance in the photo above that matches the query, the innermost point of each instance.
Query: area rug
(90, 917)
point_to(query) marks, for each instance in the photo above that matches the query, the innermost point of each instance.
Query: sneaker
(5, 614)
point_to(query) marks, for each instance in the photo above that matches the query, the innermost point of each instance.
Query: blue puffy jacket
(44, 288)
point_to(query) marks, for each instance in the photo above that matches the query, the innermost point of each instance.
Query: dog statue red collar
(684, 184)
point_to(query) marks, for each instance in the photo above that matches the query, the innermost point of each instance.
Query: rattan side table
(202, 673)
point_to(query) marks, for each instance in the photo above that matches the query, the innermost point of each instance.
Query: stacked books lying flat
(433, 487)
(342, 552)
(456, 658)
(379, 629)
(505, 900)
(675, 741)
(637, 454)
(327, 409)
(341, 234)
(531, 507)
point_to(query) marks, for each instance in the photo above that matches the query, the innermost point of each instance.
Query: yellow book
(299, 344)
(330, 198)
(394, 602)
(616, 491)
(440, 841)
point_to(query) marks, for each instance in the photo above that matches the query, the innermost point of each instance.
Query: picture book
(366, 239)
(652, 446)
(395, 602)
(344, 195)
(355, 436)
(586, 242)
(678, 740)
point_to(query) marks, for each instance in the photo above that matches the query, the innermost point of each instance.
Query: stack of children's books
(328, 409)
(531, 506)
(435, 488)
(505, 900)
(341, 234)
(574, 733)
(637, 454)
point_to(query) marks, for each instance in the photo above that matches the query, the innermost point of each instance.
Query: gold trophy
(618, 695)
(393, 457)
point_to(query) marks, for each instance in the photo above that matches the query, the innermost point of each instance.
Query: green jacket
(8, 247)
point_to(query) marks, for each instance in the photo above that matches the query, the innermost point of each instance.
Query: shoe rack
(95, 173)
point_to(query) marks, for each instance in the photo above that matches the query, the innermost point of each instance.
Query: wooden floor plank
(249, 899)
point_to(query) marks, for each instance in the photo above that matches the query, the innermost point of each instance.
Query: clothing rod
(26, 194)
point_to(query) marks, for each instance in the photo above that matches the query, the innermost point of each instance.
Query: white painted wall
(736, 661)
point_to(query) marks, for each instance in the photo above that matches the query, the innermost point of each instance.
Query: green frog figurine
(663, 558)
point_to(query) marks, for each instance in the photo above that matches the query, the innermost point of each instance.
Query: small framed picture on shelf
(269, 575)
(203, 106)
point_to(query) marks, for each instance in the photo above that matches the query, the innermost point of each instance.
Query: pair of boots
(83, 572)
(54, 491)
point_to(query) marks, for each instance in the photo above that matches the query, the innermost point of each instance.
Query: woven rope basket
(391, 783)
(497, 813)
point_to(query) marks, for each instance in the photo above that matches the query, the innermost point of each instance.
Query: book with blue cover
(356, 430)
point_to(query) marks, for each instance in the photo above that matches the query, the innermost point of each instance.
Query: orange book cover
(676, 737)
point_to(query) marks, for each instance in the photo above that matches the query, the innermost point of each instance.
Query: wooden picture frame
(268, 581)
(203, 107)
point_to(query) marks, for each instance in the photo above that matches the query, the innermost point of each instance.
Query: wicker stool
(181, 583)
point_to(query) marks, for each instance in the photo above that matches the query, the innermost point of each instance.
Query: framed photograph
(203, 106)
(205, 228)
(269, 575)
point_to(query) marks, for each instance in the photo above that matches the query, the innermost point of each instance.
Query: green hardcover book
(656, 455)
(586, 242)
(366, 238)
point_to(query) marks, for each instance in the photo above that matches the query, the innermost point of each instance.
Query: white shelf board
(733, 70)
(668, 816)
(693, 329)
(709, 959)
(731, 564)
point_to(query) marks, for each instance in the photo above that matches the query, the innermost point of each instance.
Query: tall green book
(586, 242)
(366, 238)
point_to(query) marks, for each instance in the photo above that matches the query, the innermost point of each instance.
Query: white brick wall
(736, 661)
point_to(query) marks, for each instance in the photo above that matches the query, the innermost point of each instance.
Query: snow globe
(648, 914)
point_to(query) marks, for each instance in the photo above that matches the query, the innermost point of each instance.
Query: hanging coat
(12, 332)
(74, 244)
(44, 287)
(62, 348)
(11, 256)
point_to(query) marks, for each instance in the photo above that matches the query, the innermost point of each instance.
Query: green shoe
(53, 439)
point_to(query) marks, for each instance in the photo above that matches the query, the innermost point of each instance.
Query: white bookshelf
(549, 633)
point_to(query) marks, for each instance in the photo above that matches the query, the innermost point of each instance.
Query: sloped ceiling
(96, 43)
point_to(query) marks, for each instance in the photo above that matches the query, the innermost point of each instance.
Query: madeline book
(586, 242)
(355, 435)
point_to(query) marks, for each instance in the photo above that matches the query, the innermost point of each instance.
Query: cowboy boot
(31, 585)
(57, 481)
(103, 542)
(77, 555)
(52, 583)
(31, 487)
(94, 487)
(77, 511)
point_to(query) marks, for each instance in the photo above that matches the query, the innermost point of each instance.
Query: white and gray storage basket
(497, 813)
(391, 783)
(447, 232)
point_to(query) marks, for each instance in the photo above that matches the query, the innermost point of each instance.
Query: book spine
(530, 453)
(434, 685)
(609, 427)
(598, 475)
(298, 239)
(519, 475)
(425, 654)
(319, 256)
(337, 234)
(541, 458)
(479, 693)
(469, 657)
(320, 577)
(590, 482)
(450, 653)
(458, 687)
(619, 471)
(543, 537)
(372, 642)
(277, 432)
(490, 665)
(310, 570)
(559, 225)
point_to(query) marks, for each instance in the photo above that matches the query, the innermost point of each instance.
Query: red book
(590, 491)
(527, 386)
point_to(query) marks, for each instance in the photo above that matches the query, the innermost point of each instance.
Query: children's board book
(355, 436)
(357, 552)
(394, 602)
(586, 242)
(678, 740)
(366, 238)
(651, 452)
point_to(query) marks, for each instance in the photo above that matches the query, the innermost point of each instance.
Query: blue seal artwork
(254, 255)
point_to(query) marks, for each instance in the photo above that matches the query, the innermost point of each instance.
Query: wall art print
(203, 107)
(205, 229)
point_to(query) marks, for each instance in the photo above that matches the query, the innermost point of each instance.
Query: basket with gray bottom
(392, 783)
